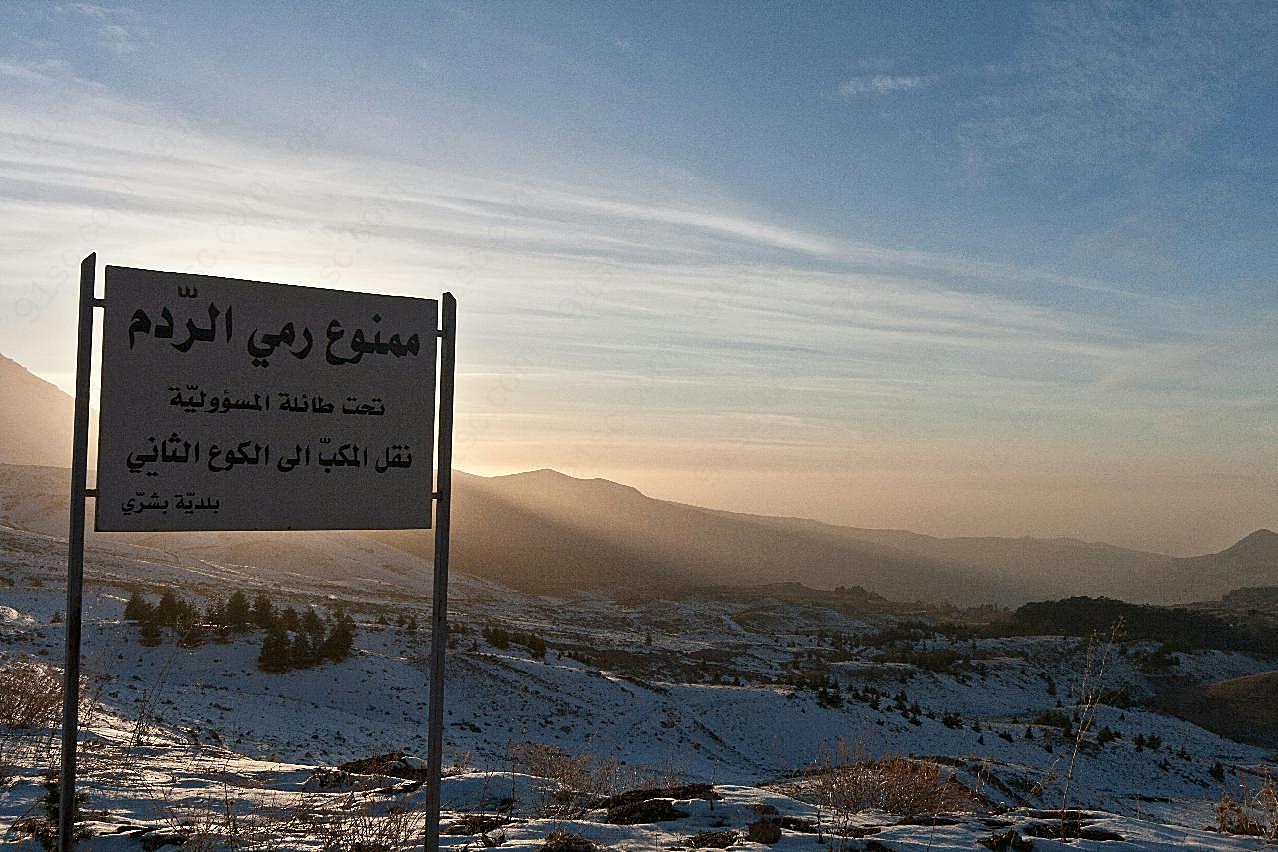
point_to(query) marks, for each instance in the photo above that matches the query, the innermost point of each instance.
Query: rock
(562, 841)
(804, 826)
(475, 824)
(763, 831)
(1007, 841)
(684, 791)
(652, 810)
(713, 839)
(395, 764)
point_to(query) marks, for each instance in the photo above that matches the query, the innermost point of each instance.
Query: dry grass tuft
(1253, 812)
(846, 783)
(30, 694)
(581, 779)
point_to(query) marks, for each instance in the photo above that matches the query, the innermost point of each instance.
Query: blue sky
(964, 268)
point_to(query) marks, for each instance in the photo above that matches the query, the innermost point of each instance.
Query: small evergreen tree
(263, 613)
(341, 640)
(137, 609)
(300, 653)
(274, 656)
(313, 625)
(237, 612)
(149, 633)
(166, 611)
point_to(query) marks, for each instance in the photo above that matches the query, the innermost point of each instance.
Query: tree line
(291, 640)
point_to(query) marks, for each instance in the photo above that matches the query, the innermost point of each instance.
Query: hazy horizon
(941, 269)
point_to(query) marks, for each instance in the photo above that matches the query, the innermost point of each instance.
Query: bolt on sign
(241, 405)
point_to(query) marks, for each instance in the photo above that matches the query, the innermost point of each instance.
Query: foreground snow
(197, 744)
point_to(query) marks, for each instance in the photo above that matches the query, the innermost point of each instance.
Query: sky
(966, 269)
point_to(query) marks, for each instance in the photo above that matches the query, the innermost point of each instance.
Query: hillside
(1253, 561)
(190, 739)
(544, 531)
(1244, 708)
(35, 418)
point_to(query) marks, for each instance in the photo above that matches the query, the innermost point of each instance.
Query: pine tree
(300, 654)
(313, 625)
(263, 613)
(237, 612)
(137, 609)
(290, 619)
(274, 656)
(166, 611)
(341, 640)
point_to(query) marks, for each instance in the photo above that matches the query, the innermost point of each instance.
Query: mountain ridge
(547, 531)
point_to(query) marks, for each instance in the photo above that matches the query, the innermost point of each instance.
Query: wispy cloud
(19, 71)
(601, 320)
(882, 84)
(118, 27)
(1102, 83)
(120, 39)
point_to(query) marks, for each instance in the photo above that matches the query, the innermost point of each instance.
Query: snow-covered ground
(198, 739)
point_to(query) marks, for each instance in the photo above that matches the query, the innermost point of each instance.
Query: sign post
(75, 555)
(242, 405)
(439, 603)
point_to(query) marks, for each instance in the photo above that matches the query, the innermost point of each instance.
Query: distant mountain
(543, 531)
(35, 418)
(1253, 561)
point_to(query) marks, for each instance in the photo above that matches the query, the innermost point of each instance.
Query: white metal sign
(241, 405)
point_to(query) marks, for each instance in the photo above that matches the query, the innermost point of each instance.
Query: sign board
(241, 405)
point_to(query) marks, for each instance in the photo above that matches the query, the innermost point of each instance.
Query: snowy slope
(693, 689)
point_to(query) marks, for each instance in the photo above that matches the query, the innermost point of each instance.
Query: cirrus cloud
(881, 84)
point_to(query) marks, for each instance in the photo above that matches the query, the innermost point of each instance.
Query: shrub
(1254, 812)
(1107, 734)
(30, 694)
(1055, 719)
(357, 826)
(44, 830)
(577, 778)
(844, 784)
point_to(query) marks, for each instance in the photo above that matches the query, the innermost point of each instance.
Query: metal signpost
(242, 405)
